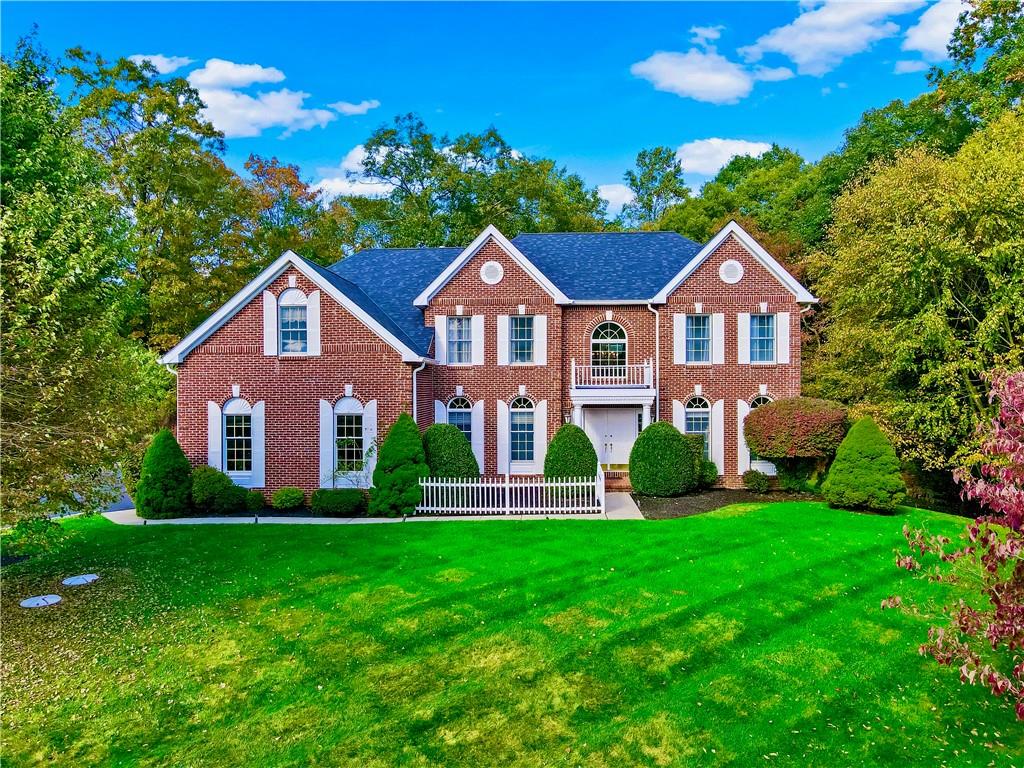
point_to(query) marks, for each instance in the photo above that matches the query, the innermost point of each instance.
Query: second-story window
(608, 350)
(762, 338)
(520, 339)
(460, 340)
(698, 338)
(293, 327)
(460, 414)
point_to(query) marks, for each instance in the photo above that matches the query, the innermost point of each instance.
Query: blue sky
(586, 84)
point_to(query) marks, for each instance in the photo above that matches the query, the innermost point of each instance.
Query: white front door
(612, 431)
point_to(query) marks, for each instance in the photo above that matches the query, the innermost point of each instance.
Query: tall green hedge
(401, 463)
(866, 472)
(570, 454)
(664, 462)
(165, 482)
(448, 452)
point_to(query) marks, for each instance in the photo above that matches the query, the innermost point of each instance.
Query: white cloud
(707, 156)
(906, 67)
(164, 64)
(342, 179)
(616, 195)
(219, 73)
(825, 34)
(705, 35)
(701, 75)
(773, 74)
(240, 115)
(826, 91)
(348, 109)
(931, 34)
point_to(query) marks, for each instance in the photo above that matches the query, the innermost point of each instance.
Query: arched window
(757, 402)
(348, 435)
(292, 307)
(521, 428)
(608, 350)
(460, 414)
(698, 421)
(237, 437)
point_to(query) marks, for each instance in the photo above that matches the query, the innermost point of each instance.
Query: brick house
(292, 381)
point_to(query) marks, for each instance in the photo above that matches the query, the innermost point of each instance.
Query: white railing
(634, 375)
(512, 495)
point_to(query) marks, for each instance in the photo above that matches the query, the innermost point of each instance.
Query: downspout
(414, 372)
(657, 364)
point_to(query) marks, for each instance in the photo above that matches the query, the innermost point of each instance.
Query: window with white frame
(756, 403)
(237, 437)
(521, 429)
(762, 338)
(460, 340)
(698, 421)
(520, 339)
(292, 322)
(348, 434)
(608, 350)
(698, 338)
(460, 414)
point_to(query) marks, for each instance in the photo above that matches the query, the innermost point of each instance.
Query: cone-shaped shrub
(448, 452)
(165, 482)
(866, 472)
(663, 462)
(400, 465)
(570, 454)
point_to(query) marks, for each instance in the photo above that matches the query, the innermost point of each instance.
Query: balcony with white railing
(636, 375)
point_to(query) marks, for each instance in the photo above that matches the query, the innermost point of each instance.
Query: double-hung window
(348, 433)
(762, 338)
(460, 414)
(460, 340)
(698, 421)
(238, 443)
(520, 339)
(698, 338)
(292, 321)
(521, 428)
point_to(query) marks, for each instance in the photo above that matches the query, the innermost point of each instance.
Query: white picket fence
(512, 496)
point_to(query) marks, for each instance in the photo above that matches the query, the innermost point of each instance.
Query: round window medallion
(492, 272)
(731, 271)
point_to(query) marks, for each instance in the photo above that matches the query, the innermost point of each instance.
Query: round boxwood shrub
(165, 482)
(570, 454)
(214, 493)
(663, 462)
(339, 502)
(448, 452)
(797, 427)
(708, 473)
(254, 501)
(288, 497)
(866, 472)
(400, 465)
(755, 481)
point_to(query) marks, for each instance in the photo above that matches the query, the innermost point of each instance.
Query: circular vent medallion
(492, 272)
(731, 271)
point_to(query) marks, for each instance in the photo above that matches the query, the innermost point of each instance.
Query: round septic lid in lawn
(41, 601)
(77, 581)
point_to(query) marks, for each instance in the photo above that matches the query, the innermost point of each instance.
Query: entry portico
(613, 403)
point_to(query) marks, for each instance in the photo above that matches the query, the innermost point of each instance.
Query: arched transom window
(237, 436)
(348, 435)
(756, 403)
(521, 429)
(292, 307)
(698, 421)
(608, 350)
(460, 414)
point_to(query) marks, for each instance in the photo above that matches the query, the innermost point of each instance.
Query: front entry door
(613, 432)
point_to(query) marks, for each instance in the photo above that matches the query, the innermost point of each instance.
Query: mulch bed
(684, 506)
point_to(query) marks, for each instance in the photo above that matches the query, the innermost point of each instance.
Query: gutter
(414, 372)
(657, 364)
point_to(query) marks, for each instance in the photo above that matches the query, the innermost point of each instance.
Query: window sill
(522, 468)
(523, 365)
(296, 354)
(699, 365)
(459, 365)
(241, 479)
(764, 364)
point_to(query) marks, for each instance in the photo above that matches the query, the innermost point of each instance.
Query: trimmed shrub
(708, 473)
(400, 465)
(570, 454)
(165, 482)
(254, 501)
(663, 461)
(448, 452)
(288, 497)
(214, 493)
(755, 481)
(339, 502)
(866, 472)
(797, 427)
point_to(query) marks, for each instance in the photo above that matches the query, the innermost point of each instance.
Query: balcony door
(613, 432)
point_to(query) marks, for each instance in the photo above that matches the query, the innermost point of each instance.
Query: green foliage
(214, 493)
(657, 183)
(33, 536)
(255, 501)
(663, 461)
(288, 497)
(165, 483)
(866, 472)
(339, 502)
(708, 473)
(131, 465)
(400, 465)
(448, 452)
(796, 427)
(800, 475)
(570, 454)
(756, 481)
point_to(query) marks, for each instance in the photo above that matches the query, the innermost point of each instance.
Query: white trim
(327, 444)
(717, 435)
(470, 251)
(742, 451)
(441, 339)
(802, 295)
(679, 338)
(440, 412)
(502, 337)
(782, 338)
(476, 423)
(288, 259)
(214, 430)
(717, 338)
(477, 344)
(743, 338)
(259, 446)
(313, 323)
(269, 326)
(503, 430)
(540, 339)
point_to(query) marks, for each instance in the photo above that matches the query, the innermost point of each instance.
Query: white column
(646, 419)
(577, 415)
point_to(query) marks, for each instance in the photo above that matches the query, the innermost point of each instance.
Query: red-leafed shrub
(796, 428)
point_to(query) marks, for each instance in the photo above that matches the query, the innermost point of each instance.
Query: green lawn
(748, 636)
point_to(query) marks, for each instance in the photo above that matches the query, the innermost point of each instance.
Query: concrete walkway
(619, 506)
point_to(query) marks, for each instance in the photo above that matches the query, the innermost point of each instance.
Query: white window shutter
(502, 339)
(441, 339)
(718, 338)
(718, 435)
(440, 413)
(370, 444)
(327, 444)
(269, 324)
(540, 339)
(503, 428)
(742, 452)
(477, 424)
(540, 434)
(678, 339)
(478, 339)
(259, 446)
(313, 323)
(213, 435)
(743, 337)
(678, 415)
(782, 337)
